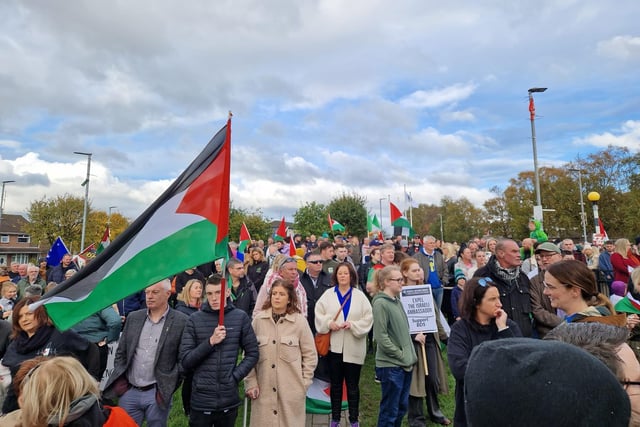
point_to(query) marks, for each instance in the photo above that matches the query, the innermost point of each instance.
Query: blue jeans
(395, 384)
(141, 405)
(438, 294)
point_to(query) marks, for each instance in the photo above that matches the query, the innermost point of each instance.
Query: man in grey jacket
(146, 370)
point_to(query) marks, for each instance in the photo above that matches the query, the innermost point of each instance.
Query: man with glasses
(243, 292)
(512, 283)
(315, 282)
(546, 317)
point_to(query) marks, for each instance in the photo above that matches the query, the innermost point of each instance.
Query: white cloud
(458, 116)
(620, 47)
(628, 135)
(438, 97)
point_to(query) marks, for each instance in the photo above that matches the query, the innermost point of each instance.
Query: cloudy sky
(328, 96)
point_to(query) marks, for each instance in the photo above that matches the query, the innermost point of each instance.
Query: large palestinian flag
(188, 225)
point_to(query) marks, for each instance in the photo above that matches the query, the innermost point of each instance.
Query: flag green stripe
(402, 222)
(188, 247)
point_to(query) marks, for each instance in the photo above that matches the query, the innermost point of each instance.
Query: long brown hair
(292, 305)
(472, 294)
(572, 273)
(40, 315)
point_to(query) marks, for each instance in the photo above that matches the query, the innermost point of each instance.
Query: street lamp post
(109, 217)
(2, 198)
(85, 184)
(537, 209)
(441, 229)
(593, 198)
(583, 216)
(381, 199)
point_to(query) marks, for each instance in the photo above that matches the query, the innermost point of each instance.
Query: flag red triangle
(244, 233)
(395, 212)
(292, 247)
(215, 178)
(282, 229)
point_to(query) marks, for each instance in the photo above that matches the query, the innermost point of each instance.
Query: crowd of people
(556, 319)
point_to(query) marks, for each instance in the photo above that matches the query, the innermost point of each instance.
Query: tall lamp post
(537, 209)
(109, 217)
(593, 198)
(2, 198)
(381, 199)
(441, 229)
(85, 184)
(583, 217)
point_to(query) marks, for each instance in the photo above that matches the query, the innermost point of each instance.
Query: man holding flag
(209, 350)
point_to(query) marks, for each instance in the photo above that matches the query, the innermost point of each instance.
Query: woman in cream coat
(278, 383)
(348, 337)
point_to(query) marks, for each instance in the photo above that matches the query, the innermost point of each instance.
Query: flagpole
(410, 209)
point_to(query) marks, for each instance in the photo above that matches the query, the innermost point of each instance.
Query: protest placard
(418, 304)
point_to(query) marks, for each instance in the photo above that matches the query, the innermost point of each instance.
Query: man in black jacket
(513, 284)
(315, 282)
(209, 351)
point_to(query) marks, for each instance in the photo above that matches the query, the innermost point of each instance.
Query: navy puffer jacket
(215, 374)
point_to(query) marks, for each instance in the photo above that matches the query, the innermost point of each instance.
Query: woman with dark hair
(286, 344)
(348, 337)
(34, 335)
(425, 385)
(572, 288)
(482, 319)
(256, 267)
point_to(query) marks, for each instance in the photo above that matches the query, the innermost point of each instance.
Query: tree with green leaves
(350, 211)
(311, 219)
(258, 226)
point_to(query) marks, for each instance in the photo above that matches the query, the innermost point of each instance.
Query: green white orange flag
(398, 220)
(187, 225)
(281, 233)
(245, 238)
(105, 241)
(335, 225)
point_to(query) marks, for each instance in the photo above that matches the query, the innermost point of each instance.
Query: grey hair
(599, 339)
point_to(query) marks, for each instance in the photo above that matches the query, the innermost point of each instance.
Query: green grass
(369, 400)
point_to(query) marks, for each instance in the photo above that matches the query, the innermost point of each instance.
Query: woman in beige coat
(278, 383)
(348, 338)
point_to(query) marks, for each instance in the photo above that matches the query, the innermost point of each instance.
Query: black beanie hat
(526, 382)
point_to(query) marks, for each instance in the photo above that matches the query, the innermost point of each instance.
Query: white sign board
(418, 304)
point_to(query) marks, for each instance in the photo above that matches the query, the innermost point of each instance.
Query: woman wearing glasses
(395, 355)
(572, 288)
(482, 319)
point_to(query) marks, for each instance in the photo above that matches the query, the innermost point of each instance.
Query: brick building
(15, 243)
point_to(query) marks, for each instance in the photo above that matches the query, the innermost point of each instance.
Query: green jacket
(391, 332)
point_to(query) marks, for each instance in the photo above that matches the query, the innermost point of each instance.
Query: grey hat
(548, 247)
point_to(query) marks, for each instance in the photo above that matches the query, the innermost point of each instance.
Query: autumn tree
(58, 216)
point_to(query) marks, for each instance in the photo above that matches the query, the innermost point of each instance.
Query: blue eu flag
(57, 251)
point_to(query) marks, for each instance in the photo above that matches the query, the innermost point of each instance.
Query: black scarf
(26, 344)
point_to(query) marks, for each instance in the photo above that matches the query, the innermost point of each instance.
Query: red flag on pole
(282, 230)
(292, 246)
(602, 230)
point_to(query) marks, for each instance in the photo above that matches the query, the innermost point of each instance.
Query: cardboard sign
(418, 303)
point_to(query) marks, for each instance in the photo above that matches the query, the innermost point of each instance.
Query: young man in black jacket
(209, 351)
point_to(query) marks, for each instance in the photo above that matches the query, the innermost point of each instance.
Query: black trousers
(213, 419)
(348, 373)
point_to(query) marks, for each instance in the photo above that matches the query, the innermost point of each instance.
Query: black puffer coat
(215, 374)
